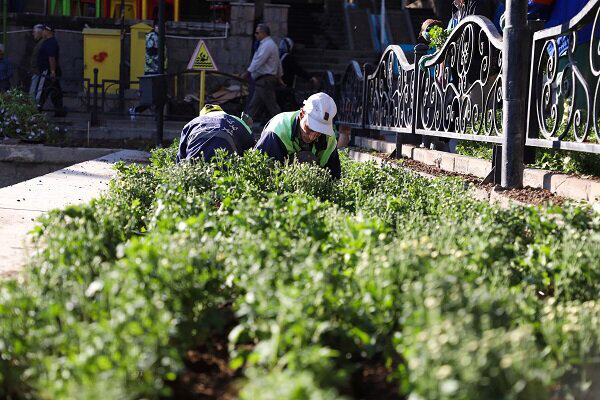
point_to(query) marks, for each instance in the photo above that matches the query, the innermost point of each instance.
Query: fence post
(514, 56)
(94, 117)
(366, 72)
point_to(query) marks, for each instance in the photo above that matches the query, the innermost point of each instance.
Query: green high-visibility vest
(283, 124)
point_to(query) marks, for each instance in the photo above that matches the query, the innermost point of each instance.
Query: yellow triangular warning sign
(201, 59)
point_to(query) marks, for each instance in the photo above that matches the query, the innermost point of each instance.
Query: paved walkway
(23, 203)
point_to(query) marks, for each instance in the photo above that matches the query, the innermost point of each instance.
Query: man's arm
(182, 151)
(269, 143)
(52, 63)
(334, 166)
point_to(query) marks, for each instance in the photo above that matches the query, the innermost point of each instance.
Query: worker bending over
(214, 129)
(304, 134)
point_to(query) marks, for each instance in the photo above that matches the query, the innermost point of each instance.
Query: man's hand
(53, 75)
(245, 75)
(281, 82)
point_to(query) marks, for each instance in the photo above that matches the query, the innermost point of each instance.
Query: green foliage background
(20, 119)
(456, 298)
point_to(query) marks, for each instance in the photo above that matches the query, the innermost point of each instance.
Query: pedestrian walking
(151, 64)
(49, 64)
(37, 34)
(291, 70)
(266, 71)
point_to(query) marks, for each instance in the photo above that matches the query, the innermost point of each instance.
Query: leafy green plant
(437, 37)
(21, 119)
(314, 285)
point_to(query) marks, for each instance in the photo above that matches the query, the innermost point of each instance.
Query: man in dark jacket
(304, 134)
(286, 96)
(49, 65)
(214, 129)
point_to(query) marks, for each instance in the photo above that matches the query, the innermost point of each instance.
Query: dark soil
(534, 196)
(527, 195)
(207, 374)
(372, 382)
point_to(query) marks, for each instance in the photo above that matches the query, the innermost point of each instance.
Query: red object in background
(100, 57)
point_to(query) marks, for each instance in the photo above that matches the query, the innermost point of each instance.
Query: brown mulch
(535, 196)
(527, 195)
(207, 374)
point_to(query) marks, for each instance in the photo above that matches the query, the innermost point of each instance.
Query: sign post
(202, 61)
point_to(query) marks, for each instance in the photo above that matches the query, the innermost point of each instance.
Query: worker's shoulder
(283, 118)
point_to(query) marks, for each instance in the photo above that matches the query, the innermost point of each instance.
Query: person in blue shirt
(305, 135)
(49, 65)
(214, 129)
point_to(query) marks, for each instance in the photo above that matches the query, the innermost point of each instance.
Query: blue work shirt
(203, 135)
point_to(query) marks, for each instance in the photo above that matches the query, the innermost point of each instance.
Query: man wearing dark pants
(266, 71)
(48, 63)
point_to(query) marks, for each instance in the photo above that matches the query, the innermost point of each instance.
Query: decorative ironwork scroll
(564, 109)
(460, 86)
(350, 102)
(390, 90)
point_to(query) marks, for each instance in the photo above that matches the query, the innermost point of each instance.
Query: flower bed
(20, 119)
(383, 284)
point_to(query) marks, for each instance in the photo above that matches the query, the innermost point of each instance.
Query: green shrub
(312, 281)
(21, 119)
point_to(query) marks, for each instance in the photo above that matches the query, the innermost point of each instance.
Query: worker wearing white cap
(306, 134)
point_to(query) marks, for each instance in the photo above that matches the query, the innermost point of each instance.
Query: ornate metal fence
(390, 90)
(564, 84)
(454, 93)
(351, 93)
(459, 91)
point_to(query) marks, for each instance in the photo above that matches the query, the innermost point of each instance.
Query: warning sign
(201, 59)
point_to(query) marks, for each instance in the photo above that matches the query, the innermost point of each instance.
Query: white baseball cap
(320, 110)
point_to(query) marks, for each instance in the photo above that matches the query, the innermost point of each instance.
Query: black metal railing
(565, 86)
(351, 96)
(457, 92)
(389, 93)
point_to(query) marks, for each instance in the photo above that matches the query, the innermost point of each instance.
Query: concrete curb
(571, 187)
(39, 153)
(22, 204)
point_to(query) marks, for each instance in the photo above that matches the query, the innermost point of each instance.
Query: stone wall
(276, 16)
